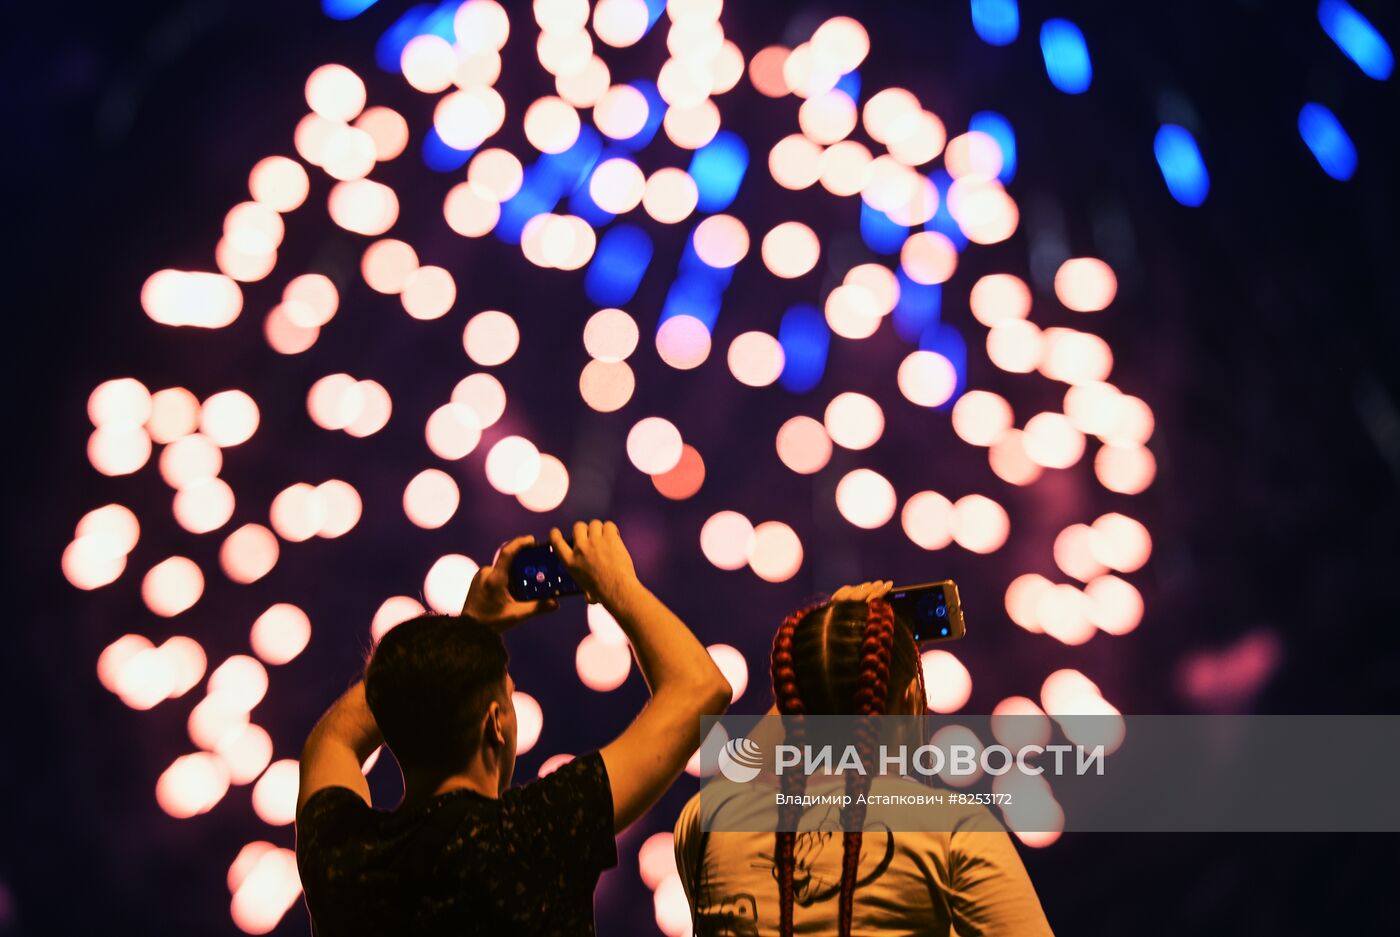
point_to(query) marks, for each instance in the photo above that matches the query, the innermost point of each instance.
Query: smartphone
(931, 609)
(537, 572)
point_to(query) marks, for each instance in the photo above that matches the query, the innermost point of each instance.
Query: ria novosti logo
(740, 760)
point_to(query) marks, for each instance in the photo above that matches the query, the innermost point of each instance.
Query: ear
(493, 732)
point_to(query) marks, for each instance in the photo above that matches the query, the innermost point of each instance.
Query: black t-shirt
(461, 863)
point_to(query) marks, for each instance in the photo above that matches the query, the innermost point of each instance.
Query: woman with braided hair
(849, 656)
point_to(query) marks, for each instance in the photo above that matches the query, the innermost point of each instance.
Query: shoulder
(332, 803)
(585, 778)
(575, 798)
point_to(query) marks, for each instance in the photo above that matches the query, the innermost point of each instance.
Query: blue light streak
(997, 22)
(718, 169)
(1066, 56)
(1357, 38)
(1328, 140)
(618, 265)
(345, 9)
(1182, 166)
(805, 338)
(999, 129)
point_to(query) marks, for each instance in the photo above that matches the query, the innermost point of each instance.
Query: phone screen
(537, 572)
(932, 610)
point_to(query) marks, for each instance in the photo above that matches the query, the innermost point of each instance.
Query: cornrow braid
(872, 690)
(790, 705)
(846, 665)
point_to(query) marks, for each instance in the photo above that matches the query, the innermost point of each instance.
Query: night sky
(1263, 328)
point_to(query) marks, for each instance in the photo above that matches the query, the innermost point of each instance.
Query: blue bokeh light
(1066, 56)
(618, 265)
(694, 294)
(345, 9)
(850, 85)
(999, 129)
(569, 170)
(1357, 38)
(718, 169)
(538, 194)
(997, 22)
(439, 156)
(919, 306)
(805, 338)
(943, 221)
(881, 233)
(388, 51)
(656, 112)
(1182, 166)
(948, 342)
(1328, 140)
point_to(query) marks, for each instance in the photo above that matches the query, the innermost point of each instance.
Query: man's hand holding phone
(489, 600)
(597, 560)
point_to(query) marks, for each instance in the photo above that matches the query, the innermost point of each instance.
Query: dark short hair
(428, 683)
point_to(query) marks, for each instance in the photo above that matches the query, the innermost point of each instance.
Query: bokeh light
(927, 378)
(445, 586)
(280, 633)
(491, 338)
(431, 498)
(602, 665)
(172, 586)
(654, 445)
(947, 683)
(803, 445)
(683, 342)
(606, 386)
(865, 498)
(790, 250)
(513, 465)
(1085, 284)
(685, 479)
(727, 540)
(854, 421)
(927, 519)
(775, 552)
(550, 487)
(249, 553)
(980, 525)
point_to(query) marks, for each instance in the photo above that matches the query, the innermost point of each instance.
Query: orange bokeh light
(685, 479)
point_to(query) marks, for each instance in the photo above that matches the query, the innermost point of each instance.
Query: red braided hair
(789, 700)
(871, 693)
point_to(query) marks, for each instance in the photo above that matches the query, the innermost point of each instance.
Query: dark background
(1261, 327)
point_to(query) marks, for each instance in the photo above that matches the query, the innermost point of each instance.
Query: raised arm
(685, 684)
(338, 745)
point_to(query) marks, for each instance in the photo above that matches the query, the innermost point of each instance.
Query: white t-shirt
(967, 881)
